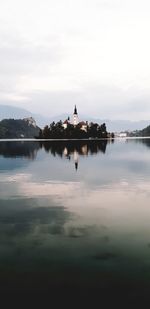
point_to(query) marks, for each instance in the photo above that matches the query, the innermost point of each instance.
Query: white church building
(75, 121)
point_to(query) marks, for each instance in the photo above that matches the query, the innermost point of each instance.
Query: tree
(57, 131)
(46, 132)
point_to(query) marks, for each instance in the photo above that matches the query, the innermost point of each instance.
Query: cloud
(21, 62)
(53, 52)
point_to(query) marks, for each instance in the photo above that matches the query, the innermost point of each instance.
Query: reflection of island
(74, 149)
(71, 150)
(19, 149)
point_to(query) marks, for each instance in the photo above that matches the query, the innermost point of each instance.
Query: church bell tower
(75, 117)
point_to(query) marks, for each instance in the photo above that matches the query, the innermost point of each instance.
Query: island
(74, 129)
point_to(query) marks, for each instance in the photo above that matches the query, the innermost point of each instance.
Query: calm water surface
(75, 215)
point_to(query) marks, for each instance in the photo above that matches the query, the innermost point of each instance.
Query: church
(75, 121)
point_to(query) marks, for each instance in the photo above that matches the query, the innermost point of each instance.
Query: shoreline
(67, 140)
(54, 139)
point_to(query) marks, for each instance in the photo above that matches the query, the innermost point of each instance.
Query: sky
(93, 53)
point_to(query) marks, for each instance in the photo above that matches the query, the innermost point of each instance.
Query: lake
(75, 218)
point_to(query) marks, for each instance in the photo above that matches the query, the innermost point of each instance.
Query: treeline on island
(57, 131)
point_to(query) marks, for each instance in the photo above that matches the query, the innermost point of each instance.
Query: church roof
(66, 121)
(82, 123)
(75, 111)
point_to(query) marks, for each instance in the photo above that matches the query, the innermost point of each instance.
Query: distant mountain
(7, 112)
(125, 125)
(10, 128)
(13, 112)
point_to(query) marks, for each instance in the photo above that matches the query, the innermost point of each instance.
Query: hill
(13, 112)
(146, 131)
(140, 133)
(26, 128)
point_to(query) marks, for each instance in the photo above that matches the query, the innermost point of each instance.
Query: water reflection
(70, 150)
(19, 149)
(84, 229)
(30, 149)
(67, 148)
(75, 149)
(145, 141)
(20, 222)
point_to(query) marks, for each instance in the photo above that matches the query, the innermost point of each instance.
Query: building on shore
(121, 134)
(30, 121)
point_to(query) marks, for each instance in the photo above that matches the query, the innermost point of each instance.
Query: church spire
(75, 117)
(75, 111)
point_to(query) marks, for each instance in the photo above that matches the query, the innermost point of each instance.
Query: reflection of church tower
(75, 117)
(76, 159)
(76, 165)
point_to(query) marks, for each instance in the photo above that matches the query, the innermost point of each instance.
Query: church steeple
(75, 117)
(75, 111)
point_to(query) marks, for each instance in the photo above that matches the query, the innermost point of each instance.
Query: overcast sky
(95, 53)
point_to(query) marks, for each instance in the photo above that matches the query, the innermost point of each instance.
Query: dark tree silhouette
(57, 131)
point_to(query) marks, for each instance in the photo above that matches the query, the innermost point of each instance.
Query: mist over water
(75, 215)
